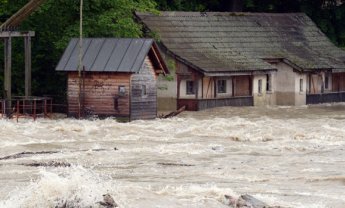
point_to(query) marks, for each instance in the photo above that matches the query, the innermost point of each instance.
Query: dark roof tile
(216, 41)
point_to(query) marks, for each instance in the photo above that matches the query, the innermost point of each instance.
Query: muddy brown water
(287, 156)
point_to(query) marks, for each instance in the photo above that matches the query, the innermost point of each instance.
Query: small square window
(122, 90)
(221, 86)
(190, 87)
(301, 85)
(260, 86)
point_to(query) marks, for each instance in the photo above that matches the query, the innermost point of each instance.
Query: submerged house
(118, 77)
(245, 59)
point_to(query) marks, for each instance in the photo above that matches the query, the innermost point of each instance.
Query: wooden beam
(14, 34)
(21, 15)
(27, 46)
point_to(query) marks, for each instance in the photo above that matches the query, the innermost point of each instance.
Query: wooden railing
(202, 104)
(331, 97)
(32, 107)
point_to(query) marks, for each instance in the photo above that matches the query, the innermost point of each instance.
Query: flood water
(287, 156)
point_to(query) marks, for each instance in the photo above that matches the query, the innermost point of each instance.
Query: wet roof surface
(221, 41)
(106, 54)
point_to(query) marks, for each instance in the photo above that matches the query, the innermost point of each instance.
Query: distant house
(232, 59)
(119, 77)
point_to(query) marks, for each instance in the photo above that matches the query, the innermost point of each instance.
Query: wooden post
(18, 112)
(251, 84)
(196, 85)
(178, 86)
(7, 74)
(214, 87)
(8, 66)
(27, 46)
(45, 107)
(35, 106)
(233, 86)
(202, 86)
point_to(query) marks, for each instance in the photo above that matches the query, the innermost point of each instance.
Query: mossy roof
(228, 42)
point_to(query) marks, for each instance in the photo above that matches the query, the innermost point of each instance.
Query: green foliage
(56, 21)
(169, 77)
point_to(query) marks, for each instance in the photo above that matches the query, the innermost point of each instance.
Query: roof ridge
(205, 14)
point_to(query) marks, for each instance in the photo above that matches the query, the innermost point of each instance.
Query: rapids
(287, 156)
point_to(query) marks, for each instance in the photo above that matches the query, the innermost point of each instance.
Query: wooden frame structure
(8, 30)
(7, 37)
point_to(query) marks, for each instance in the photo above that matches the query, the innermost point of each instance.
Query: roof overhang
(160, 61)
(239, 73)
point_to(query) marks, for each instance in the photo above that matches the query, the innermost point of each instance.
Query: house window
(268, 82)
(143, 91)
(301, 85)
(190, 87)
(260, 86)
(221, 86)
(327, 81)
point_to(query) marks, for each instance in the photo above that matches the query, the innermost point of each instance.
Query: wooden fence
(202, 104)
(31, 107)
(331, 97)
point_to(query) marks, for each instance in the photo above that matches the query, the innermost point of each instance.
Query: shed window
(268, 82)
(122, 90)
(143, 90)
(260, 86)
(190, 87)
(301, 85)
(221, 86)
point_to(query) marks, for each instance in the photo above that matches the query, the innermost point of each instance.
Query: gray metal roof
(106, 54)
(228, 42)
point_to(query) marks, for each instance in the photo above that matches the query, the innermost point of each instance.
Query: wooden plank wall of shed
(144, 106)
(100, 89)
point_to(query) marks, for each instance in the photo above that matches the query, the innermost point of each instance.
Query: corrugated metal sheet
(218, 41)
(106, 54)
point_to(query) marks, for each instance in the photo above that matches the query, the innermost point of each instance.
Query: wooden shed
(118, 77)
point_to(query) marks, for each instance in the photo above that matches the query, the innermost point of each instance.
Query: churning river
(287, 156)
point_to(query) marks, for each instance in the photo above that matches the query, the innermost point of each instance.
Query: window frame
(222, 83)
(143, 90)
(269, 82)
(301, 85)
(190, 87)
(260, 86)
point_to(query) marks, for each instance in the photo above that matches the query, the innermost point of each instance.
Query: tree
(55, 23)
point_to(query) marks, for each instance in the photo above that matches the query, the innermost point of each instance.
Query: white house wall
(300, 96)
(285, 85)
(166, 94)
(259, 98)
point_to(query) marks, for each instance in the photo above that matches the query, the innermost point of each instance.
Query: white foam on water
(75, 186)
